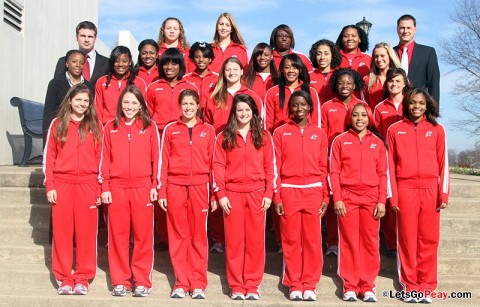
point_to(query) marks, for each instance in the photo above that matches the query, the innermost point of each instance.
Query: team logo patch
(384, 112)
(373, 146)
(211, 85)
(113, 131)
(141, 131)
(347, 143)
(203, 134)
(175, 132)
(313, 137)
(287, 133)
(149, 204)
(332, 110)
(159, 89)
(361, 64)
(401, 132)
(429, 133)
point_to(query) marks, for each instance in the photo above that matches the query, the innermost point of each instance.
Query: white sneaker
(198, 294)
(350, 296)
(237, 296)
(252, 296)
(119, 290)
(296, 295)
(369, 297)
(178, 293)
(426, 300)
(80, 289)
(332, 250)
(65, 290)
(217, 248)
(141, 291)
(309, 295)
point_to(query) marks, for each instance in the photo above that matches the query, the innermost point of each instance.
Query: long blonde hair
(374, 71)
(235, 35)
(220, 93)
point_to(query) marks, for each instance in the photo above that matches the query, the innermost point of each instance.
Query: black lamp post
(364, 25)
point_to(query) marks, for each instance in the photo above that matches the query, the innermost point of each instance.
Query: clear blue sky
(310, 20)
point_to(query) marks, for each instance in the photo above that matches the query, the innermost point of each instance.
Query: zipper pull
(129, 137)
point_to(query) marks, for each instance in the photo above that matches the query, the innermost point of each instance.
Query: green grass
(464, 171)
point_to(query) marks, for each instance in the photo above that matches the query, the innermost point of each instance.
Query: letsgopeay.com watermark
(418, 295)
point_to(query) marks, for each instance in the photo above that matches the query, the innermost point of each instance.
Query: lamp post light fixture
(364, 25)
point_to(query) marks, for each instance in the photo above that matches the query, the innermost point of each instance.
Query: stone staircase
(25, 257)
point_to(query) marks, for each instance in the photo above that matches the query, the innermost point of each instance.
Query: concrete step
(460, 226)
(23, 195)
(463, 207)
(25, 212)
(37, 232)
(14, 176)
(459, 244)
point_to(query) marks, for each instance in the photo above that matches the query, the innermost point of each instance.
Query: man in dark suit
(96, 65)
(419, 61)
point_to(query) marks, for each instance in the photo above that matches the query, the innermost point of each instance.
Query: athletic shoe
(296, 295)
(332, 250)
(252, 296)
(80, 289)
(178, 293)
(65, 290)
(217, 248)
(426, 300)
(237, 296)
(369, 297)
(198, 294)
(350, 296)
(141, 291)
(119, 290)
(392, 253)
(309, 295)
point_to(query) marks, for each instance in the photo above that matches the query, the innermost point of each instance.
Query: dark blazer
(57, 89)
(100, 69)
(423, 70)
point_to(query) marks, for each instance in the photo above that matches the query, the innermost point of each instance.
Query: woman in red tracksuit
(343, 83)
(326, 58)
(120, 75)
(217, 112)
(261, 73)
(147, 63)
(293, 77)
(201, 54)
(186, 149)
(129, 177)
(419, 178)
(282, 41)
(353, 42)
(172, 35)
(70, 165)
(227, 42)
(358, 178)
(301, 198)
(385, 114)
(243, 178)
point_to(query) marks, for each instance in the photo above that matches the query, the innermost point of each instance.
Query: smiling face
(290, 72)
(79, 104)
(417, 107)
(381, 58)
(224, 28)
(148, 55)
(170, 70)
(243, 114)
(359, 120)
(324, 57)
(75, 63)
(406, 31)
(350, 40)
(299, 108)
(189, 107)
(171, 31)
(130, 106)
(264, 59)
(121, 65)
(395, 85)
(233, 73)
(345, 86)
(201, 62)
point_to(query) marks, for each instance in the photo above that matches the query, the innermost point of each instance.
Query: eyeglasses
(285, 36)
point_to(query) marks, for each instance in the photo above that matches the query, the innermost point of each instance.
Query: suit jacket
(100, 69)
(58, 87)
(423, 70)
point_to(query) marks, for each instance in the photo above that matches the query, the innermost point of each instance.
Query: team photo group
(204, 148)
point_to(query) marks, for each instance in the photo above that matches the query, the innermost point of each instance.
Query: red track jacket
(278, 58)
(301, 158)
(205, 85)
(385, 114)
(232, 50)
(162, 100)
(321, 84)
(358, 165)
(148, 77)
(244, 169)
(185, 159)
(129, 161)
(418, 158)
(260, 86)
(361, 62)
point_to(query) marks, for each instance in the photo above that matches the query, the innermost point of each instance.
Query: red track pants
(74, 215)
(130, 211)
(245, 241)
(359, 255)
(187, 210)
(301, 238)
(418, 234)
